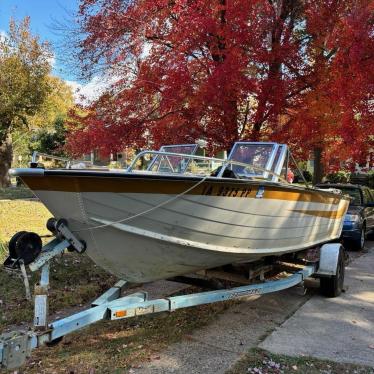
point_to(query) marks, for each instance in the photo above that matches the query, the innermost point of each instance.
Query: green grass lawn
(75, 279)
(22, 215)
(15, 193)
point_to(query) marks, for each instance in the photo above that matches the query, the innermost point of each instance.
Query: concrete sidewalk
(340, 329)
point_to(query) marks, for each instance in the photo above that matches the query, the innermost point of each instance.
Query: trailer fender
(329, 257)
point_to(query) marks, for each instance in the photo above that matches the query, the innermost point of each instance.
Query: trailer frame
(16, 347)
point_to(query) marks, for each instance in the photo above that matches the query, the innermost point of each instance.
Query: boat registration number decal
(260, 192)
(211, 190)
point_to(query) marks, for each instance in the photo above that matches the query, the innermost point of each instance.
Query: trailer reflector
(120, 313)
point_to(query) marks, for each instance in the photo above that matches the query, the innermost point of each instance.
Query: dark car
(359, 220)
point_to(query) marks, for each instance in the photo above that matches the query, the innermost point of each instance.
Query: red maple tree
(296, 71)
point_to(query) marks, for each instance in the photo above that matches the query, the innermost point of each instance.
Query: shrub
(308, 175)
(341, 176)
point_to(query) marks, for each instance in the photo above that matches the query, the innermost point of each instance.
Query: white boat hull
(195, 231)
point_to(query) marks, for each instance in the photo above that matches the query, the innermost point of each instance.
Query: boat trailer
(16, 346)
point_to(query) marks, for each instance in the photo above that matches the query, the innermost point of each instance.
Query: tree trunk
(6, 155)
(230, 135)
(318, 167)
(256, 130)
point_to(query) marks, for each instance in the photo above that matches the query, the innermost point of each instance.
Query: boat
(186, 212)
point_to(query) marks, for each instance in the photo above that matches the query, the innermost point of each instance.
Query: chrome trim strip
(164, 149)
(280, 163)
(224, 162)
(206, 246)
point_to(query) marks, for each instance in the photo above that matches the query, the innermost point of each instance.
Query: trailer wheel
(54, 342)
(333, 286)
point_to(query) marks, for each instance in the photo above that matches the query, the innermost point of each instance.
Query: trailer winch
(23, 246)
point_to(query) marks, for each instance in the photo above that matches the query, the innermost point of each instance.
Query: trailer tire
(54, 342)
(333, 286)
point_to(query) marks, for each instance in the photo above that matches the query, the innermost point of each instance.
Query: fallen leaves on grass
(258, 361)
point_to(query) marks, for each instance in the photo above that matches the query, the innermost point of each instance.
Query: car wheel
(370, 235)
(358, 244)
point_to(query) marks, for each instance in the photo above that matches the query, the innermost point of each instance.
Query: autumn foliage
(24, 86)
(300, 72)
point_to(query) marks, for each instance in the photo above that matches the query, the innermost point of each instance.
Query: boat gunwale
(109, 173)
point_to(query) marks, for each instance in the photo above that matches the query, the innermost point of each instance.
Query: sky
(44, 16)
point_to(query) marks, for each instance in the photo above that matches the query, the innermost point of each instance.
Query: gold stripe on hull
(334, 214)
(158, 185)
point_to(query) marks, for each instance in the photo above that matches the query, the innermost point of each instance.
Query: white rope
(147, 210)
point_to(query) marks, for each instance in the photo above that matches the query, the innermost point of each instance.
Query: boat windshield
(259, 157)
(173, 164)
